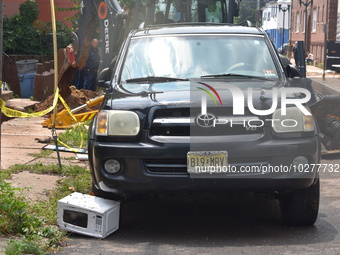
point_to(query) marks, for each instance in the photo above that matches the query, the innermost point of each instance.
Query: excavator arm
(111, 20)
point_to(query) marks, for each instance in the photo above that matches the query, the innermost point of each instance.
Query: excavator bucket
(64, 118)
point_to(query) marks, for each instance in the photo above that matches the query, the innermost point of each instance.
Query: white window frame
(297, 25)
(314, 20)
(304, 22)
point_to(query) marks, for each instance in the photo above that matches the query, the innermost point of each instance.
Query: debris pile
(77, 98)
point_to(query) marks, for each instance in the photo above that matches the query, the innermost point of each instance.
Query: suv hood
(189, 93)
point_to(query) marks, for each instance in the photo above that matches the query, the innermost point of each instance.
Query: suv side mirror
(292, 71)
(103, 79)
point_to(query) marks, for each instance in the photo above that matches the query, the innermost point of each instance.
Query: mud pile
(77, 98)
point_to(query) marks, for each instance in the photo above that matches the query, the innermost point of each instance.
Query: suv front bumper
(136, 178)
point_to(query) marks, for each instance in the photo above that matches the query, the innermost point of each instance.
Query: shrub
(24, 34)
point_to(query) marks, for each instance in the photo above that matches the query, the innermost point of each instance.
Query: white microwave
(88, 215)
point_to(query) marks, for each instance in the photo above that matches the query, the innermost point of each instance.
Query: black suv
(205, 107)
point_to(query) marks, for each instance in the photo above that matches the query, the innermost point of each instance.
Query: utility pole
(258, 11)
(231, 12)
(325, 50)
(306, 4)
(283, 9)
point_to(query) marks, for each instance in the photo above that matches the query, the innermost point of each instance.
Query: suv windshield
(193, 56)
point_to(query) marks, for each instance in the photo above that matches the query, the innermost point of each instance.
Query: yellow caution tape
(74, 118)
(18, 114)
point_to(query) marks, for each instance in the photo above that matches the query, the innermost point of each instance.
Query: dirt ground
(19, 141)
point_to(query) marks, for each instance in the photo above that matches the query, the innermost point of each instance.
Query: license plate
(204, 161)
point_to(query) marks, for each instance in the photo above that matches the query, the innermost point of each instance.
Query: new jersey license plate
(201, 161)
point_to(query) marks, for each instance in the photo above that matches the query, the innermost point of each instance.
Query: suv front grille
(178, 122)
(179, 166)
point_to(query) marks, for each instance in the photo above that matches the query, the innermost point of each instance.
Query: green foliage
(24, 246)
(29, 11)
(14, 217)
(41, 154)
(74, 18)
(64, 34)
(40, 168)
(33, 225)
(247, 11)
(23, 34)
(5, 174)
(77, 136)
(129, 4)
(320, 65)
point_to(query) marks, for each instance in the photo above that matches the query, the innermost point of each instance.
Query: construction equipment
(75, 55)
(64, 119)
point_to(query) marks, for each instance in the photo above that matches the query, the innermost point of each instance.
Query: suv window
(193, 56)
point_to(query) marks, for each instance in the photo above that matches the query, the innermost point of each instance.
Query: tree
(24, 34)
(247, 11)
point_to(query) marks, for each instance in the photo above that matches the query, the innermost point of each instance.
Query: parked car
(192, 107)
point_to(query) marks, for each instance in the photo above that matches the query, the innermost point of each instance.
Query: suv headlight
(117, 123)
(293, 121)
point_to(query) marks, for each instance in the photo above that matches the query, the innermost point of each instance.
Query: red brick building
(11, 7)
(308, 24)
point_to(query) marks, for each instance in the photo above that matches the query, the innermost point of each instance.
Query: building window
(314, 20)
(304, 22)
(297, 22)
(323, 11)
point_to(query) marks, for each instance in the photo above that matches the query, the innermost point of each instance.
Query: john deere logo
(102, 10)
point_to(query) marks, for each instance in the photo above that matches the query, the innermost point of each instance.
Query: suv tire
(300, 207)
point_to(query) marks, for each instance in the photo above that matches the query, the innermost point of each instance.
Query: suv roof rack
(245, 23)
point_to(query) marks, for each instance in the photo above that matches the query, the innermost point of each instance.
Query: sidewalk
(19, 144)
(329, 85)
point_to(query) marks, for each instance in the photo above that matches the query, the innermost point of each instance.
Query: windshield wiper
(155, 79)
(233, 74)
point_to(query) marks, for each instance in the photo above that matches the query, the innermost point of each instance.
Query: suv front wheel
(300, 207)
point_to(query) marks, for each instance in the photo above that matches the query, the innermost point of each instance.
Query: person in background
(309, 59)
(296, 57)
(79, 79)
(91, 68)
(159, 17)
